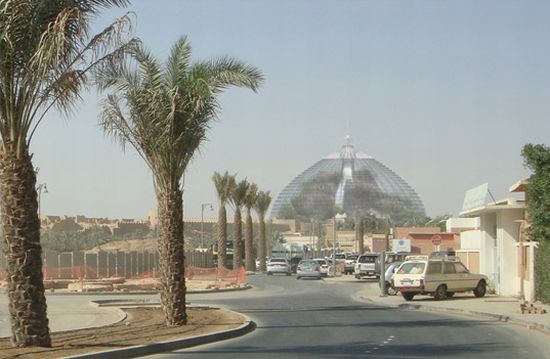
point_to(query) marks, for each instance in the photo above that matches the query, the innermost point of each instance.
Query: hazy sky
(445, 93)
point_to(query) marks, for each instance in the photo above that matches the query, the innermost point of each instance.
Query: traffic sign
(436, 239)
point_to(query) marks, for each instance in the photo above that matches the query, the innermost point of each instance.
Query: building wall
(507, 239)
(487, 258)
(470, 239)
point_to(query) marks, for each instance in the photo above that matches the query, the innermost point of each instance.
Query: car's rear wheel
(269, 273)
(408, 296)
(440, 292)
(480, 289)
(390, 289)
(298, 277)
(450, 294)
(288, 274)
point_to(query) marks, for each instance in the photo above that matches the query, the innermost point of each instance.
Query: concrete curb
(200, 291)
(499, 317)
(153, 348)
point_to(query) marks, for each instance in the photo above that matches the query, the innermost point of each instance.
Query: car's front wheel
(269, 273)
(408, 296)
(297, 277)
(480, 289)
(390, 289)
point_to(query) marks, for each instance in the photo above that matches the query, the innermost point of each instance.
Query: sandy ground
(142, 326)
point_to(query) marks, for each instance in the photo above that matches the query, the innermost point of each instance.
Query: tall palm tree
(263, 200)
(46, 56)
(249, 202)
(237, 200)
(164, 112)
(224, 187)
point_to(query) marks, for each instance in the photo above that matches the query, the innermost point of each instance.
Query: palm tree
(224, 187)
(237, 200)
(249, 202)
(46, 56)
(263, 200)
(164, 112)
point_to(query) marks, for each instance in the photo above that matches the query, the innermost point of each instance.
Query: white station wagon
(439, 276)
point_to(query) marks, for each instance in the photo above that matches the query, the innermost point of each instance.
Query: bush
(542, 270)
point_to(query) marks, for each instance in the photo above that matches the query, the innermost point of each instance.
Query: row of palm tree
(240, 195)
(162, 110)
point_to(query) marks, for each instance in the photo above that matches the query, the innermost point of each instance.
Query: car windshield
(353, 256)
(412, 268)
(367, 259)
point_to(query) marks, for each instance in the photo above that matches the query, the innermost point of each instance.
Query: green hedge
(542, 270)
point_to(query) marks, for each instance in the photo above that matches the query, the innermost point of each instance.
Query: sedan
(308, 269)
(324, 265)
(279, 265)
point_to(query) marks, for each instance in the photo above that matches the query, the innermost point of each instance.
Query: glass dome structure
(348, 180)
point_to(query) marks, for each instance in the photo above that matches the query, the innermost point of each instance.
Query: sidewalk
(506, 309)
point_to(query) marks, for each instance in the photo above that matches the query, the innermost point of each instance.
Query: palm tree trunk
(237, 238)
(359, 233)
(262, 247)
(172, 266)
(27, 302)
(222, 237)
(248, 247)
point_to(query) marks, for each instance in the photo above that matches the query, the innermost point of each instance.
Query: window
(367, 259)
(460, 268)
(412, 268)
(449, 268)
(434, 268)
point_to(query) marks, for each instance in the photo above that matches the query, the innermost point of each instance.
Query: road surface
(313, 319)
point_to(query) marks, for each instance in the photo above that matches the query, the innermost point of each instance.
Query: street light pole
(42, 188)
(202, 220)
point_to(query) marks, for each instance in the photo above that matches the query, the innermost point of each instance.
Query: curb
(153, 348)
(199, 291)
(543, 328)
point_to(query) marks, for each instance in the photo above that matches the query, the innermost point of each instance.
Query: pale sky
(445, 93)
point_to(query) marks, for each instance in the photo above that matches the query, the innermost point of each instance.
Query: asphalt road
(309, 318)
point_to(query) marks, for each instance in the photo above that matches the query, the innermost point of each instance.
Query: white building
(505, 255)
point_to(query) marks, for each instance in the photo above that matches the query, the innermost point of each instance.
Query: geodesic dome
(351, 181)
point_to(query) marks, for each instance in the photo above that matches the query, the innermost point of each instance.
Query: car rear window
(352, 257)
(412, 268)
(340, 256)
(367, 259)
(278, 260)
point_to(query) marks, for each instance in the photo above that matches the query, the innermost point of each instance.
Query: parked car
(349, 265)
(366, 265)
(279, 265)
(308, 269)
(324, 266)
(440, 276)
(390, 271)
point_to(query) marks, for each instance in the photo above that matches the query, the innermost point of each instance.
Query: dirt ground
(142, 326)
